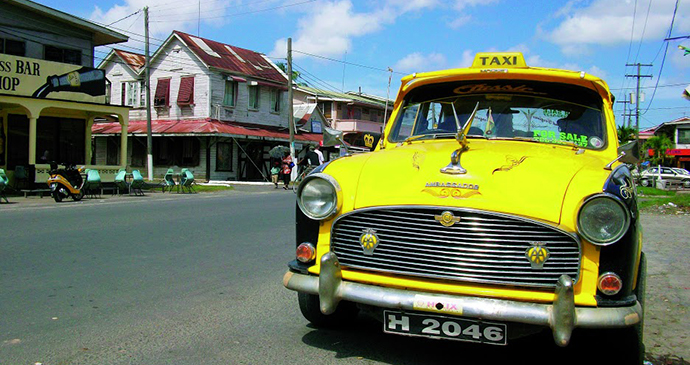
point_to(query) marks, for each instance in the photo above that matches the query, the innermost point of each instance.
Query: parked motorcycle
(66, 182)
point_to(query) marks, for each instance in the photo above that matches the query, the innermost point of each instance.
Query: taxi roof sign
(499, 60)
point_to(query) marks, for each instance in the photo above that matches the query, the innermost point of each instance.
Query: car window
(527, 114)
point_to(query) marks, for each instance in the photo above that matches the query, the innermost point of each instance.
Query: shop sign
(22, 76)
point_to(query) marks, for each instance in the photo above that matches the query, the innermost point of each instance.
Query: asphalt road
(186, 279)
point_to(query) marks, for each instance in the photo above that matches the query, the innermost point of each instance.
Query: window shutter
(186, 94)
(162, 92)
(123, 93)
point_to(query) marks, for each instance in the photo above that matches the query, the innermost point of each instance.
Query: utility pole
(291, 120)
(638, 76)
(149, 140)
(626, 112)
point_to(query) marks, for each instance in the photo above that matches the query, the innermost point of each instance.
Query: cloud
(610, 22)
(417, 62)
(462, 4)
(330, 27)
(164, 17)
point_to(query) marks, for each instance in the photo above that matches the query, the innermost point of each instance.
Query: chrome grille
(482, 247)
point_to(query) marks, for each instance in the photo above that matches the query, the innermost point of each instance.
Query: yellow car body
(538, 177)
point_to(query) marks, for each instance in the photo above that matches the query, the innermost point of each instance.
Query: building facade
(217, 109)
(50, 94)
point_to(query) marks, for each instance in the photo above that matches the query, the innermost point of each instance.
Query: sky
(345, 45)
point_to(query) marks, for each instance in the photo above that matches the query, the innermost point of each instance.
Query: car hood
(513, 177)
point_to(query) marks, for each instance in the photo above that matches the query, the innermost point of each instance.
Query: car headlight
(317, 196)
(603, 219)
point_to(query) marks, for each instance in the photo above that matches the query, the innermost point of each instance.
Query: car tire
(343, 315)
(686, 184)
(644, 182)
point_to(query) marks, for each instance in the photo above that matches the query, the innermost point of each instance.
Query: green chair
(168, 181)
(187, 179)
(4, 181)
(137, 183)
(120, 181)
(20, 176)
(92, 185)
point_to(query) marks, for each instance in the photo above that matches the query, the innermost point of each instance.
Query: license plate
(451, 328)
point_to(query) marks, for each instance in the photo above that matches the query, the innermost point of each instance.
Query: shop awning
(203, 127)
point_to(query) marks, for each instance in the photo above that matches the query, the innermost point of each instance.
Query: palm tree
(659, 144)
(296, 75)
(625, 134)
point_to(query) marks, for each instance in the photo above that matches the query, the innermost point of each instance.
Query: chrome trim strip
(561, 315)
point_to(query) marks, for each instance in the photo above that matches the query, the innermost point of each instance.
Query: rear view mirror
(632, 153)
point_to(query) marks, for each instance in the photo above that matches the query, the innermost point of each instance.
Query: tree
(659, 144)
(296, 75)
(625, 134)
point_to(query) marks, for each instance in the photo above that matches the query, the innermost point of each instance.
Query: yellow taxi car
(497, 203)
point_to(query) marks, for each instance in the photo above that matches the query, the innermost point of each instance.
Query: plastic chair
(120, 181)
(168, 181)
(92, 185)
(137, 183)
(187, 180)
(4, 181)
(20, 175)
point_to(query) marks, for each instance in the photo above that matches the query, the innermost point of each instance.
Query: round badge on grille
(447, 218)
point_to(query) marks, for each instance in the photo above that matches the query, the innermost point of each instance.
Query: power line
(117, 21)
(347, 63)
(235, 14)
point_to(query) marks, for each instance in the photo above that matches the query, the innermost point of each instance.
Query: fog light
(610, 283)
(306, 252)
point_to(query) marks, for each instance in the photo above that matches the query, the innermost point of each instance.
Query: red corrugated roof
(134, 60)
(233, 59)
(201, 126)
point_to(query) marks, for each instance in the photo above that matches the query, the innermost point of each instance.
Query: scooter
(66, 182)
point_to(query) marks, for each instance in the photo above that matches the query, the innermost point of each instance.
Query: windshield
(532, 111)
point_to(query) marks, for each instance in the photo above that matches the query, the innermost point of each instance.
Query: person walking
(319, 154)
(275, 171)
(286, 170)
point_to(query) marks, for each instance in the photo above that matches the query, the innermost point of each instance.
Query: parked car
(681, 171)
(497, 204)
(674, 175)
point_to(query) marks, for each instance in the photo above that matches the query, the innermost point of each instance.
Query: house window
(162, 97)
(112, 151)
(142, 93)
(12, 47)
(230, 93)
(683, 136)
(180, 151)
(64, 55)
(185, 96)
(224, 156)
(275, 100)
(326, 108)
(138, 151)
(129, 93)
(253, 97)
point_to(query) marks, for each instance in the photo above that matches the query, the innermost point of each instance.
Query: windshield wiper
(430, 136)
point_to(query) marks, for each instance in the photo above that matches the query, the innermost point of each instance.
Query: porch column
(124, 123)
(89, 143)
(33, 112)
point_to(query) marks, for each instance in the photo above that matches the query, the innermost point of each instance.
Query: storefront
(46, 113)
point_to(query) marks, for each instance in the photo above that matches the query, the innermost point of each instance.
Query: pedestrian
(286, 170)
(275, 170)
(319, 154)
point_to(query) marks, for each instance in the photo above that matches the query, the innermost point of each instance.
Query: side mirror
(332, 137)
(632, 153)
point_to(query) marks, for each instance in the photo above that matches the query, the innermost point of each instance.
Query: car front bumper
(561, 316)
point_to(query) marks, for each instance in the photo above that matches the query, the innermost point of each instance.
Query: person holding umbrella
(287, 169)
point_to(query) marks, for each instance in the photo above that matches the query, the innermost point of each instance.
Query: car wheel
(343, 315)
(644, 182)
(686, 183)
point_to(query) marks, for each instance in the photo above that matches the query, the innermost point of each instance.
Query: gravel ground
(667, 246)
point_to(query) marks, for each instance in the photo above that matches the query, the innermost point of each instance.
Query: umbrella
(279, 151)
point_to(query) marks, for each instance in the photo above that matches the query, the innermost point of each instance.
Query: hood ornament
(454, 168)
